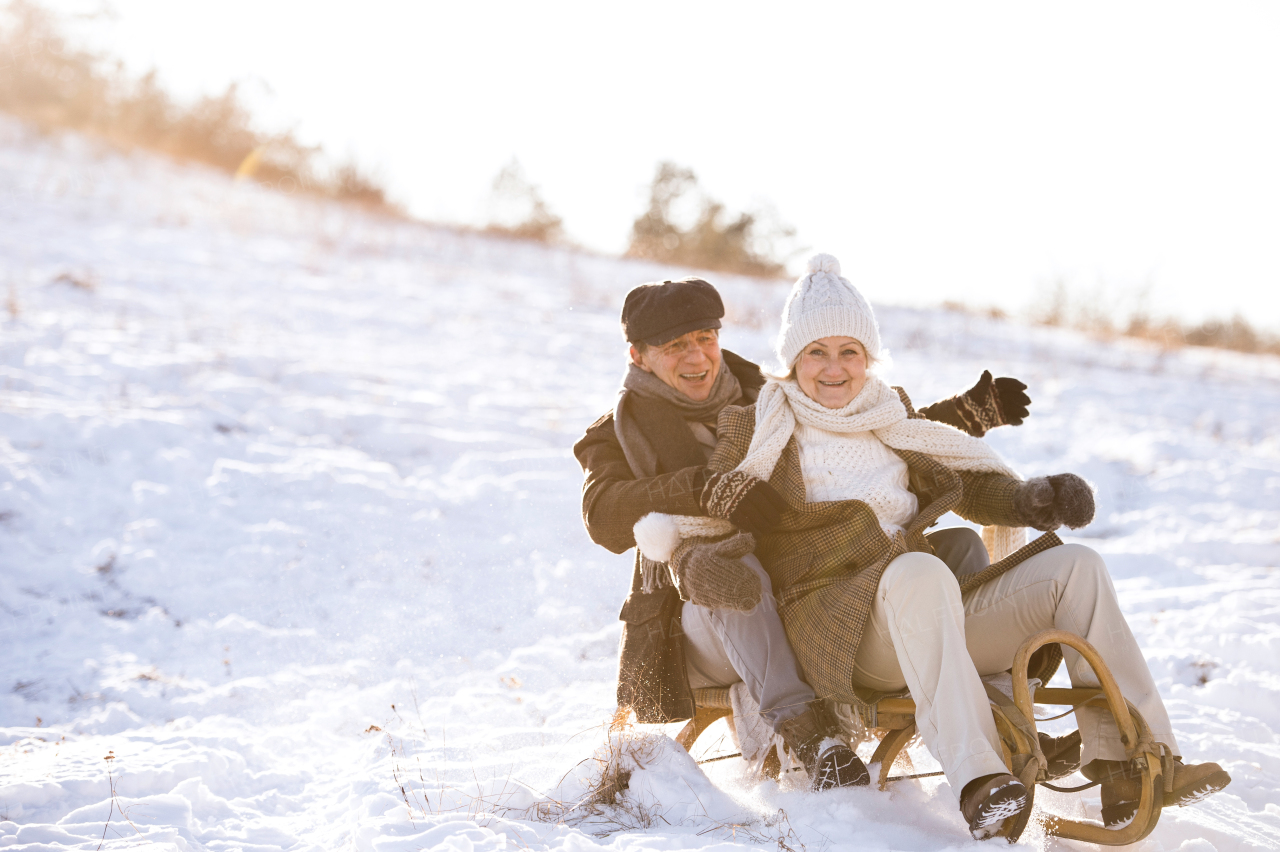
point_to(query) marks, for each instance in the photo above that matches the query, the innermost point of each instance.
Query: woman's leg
(915, 637)
(1068, 588)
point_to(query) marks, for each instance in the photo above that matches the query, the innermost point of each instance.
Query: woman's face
(832, 371)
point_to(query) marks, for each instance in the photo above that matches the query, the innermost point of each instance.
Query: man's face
(690, 363)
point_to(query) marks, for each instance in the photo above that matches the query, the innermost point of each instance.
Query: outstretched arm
(613, 499)
(1043, 502)
(983, 407)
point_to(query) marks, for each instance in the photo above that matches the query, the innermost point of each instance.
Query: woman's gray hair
(875, 366)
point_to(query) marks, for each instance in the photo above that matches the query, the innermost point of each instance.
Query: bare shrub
(517, 208)
(47, 81)
(747, 243)
(1109, 314)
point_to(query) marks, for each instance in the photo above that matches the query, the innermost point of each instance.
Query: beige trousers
(924, 636)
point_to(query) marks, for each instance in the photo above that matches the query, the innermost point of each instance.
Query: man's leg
(1068, 588)
(724, 646)
(915, 638)
(961, 548)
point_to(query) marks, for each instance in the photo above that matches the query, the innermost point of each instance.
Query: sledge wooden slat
(889, 749)
(1044, 695)
(701, 720)
(904, 706)
(1074, 697)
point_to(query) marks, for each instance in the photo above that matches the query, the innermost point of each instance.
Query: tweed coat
(826, 559)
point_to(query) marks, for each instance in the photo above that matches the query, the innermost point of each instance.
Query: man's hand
(749, 503)
(1048, 502)
(712, 573)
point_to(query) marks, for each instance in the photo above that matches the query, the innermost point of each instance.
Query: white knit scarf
(877, 409)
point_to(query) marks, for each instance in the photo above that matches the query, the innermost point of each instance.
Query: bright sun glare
(945, 152)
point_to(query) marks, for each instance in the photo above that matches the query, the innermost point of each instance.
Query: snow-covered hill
(289, 530)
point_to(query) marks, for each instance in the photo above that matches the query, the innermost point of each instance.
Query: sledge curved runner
(1015, 720)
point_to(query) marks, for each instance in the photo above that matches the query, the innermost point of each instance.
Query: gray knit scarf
(651, 420)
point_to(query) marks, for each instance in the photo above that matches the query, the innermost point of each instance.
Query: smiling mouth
(694, 377)
(832, 384)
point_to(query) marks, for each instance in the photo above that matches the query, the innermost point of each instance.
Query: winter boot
(1062, 753)
(811, 737)
(1122, 786)
(988, 801)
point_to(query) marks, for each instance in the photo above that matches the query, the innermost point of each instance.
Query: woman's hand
(988, 404)
(1048, 502)
(749, 503)
(995, 402)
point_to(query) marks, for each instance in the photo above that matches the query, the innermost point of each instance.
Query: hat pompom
(824, 263)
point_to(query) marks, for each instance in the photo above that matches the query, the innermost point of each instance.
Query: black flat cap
(659, 313)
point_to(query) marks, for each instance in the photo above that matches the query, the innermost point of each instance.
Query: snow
(289, 528)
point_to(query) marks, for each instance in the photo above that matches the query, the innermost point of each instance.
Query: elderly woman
(865, 603)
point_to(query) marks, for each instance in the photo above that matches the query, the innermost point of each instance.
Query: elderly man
(649, 455)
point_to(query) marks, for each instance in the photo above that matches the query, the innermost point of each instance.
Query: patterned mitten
(988, 404)
(749, 503)
(712, 574)
(1048, 502)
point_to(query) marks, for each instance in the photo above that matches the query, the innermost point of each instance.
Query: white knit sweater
(874, 424)
(856, 466)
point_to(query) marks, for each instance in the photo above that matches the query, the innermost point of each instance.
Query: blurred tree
(517, 208)
(748, 243)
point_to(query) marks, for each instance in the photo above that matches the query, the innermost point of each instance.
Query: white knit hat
(822, 304)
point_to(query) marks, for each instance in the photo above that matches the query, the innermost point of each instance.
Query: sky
(977, 153)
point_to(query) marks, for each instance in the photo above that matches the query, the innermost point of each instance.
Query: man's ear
(635, 359)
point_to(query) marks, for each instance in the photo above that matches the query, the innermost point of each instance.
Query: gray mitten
(712, 574)
(1048, 502)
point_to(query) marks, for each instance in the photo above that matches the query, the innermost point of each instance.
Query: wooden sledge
(893, 720)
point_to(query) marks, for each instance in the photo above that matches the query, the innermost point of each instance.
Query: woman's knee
(1083, 559)
(919, 572)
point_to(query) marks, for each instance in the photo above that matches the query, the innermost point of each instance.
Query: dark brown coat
(651, 667)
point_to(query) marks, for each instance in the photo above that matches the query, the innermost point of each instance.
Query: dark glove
(712, 573)
(747, 502)
(991, 403)
(1048, 502)
(1011, 397)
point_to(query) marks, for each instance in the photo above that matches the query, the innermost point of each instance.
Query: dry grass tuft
(1109, 315)
(54, 85)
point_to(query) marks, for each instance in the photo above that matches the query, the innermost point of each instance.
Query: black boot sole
(840, 768)
(1003, 803)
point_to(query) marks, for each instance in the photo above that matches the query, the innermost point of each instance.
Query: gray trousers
(724, 646)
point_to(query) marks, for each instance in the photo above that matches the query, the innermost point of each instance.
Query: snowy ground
(289, 529)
